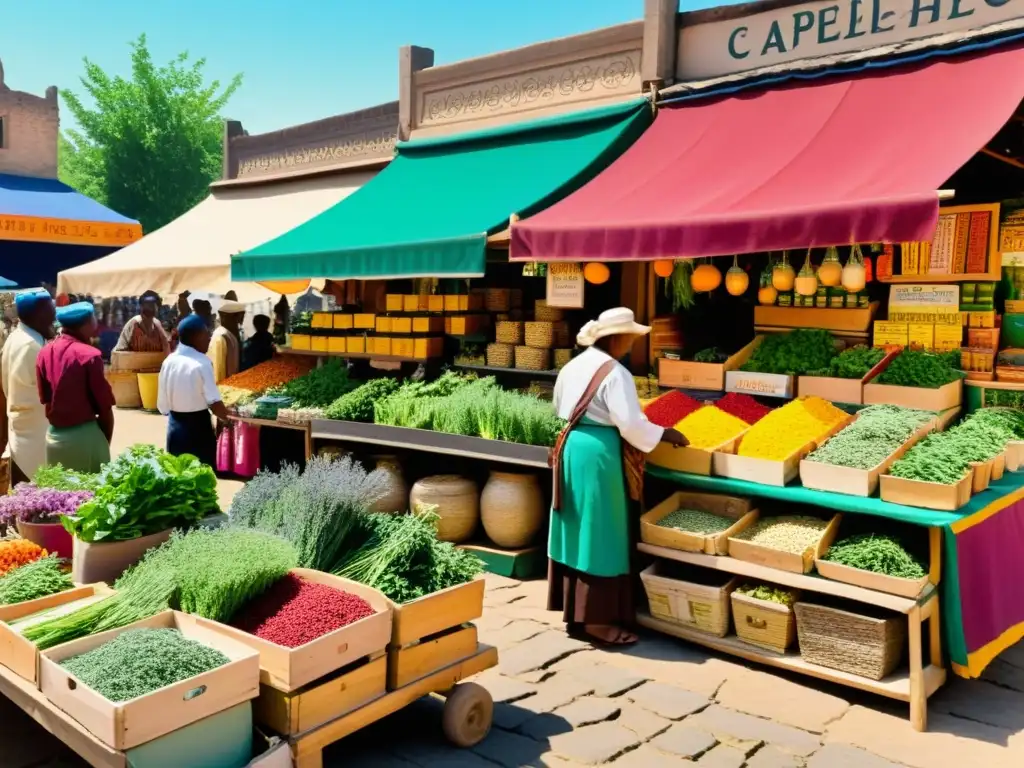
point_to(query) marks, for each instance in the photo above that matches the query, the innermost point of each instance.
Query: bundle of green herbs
(145, 490)
(875, 553)
(917, 368)
(852, 363)
(795, 353)
(206, 572)
(141, 661)
(877, 432)
(320, 387)
(314, 510)
(401, 556)
(56, 477)
(415, 402)
(358, 404)
(936, 459)
(46, 576)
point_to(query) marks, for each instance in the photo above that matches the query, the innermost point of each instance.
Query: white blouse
(186, 382)
(615, 404)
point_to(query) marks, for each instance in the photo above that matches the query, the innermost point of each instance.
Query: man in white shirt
(188, 393)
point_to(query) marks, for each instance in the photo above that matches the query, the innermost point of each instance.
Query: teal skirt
(591, 531)
(82, 448)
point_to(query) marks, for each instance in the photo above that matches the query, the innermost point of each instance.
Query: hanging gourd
(854, 273)
(806, 281)
(596, 273)
(736, 280)
(706, 278)
(830, 273)
(783, 274)
(664, 267)
(766, 293)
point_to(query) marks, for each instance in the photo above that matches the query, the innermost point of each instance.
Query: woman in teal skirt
(589, 541)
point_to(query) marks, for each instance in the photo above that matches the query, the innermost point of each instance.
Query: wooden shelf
(553, 374)
(794, 580)
(356, 356)
(895, 686)
(984, 277)
(25, 696)
(270, 423)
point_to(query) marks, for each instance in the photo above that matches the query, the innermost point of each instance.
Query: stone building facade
(29, 126)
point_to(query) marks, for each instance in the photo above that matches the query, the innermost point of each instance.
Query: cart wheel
(468, 712)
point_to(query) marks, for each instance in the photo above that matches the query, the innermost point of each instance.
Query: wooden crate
(762, 623)
(384, 324)
(336, 345)
(917, 493)
(879, 582)
(435, 303)
(840, 390)
(425, 348)
(761, 384)
(379, 345)
(301, 341)
(732, 507)
(434, 324)
(829, 319)
(925, 399)
(697, 461)
(1014, 455)
(288, 669)
(364, 320)
(342, 321)
(318, 344)
(401, 325)
(785, 561)
(465, 325)
(686, 374)
(422, 658)
(702, 607)
(321, 320)
(18, 654)
(415, 302)
(355, 345)
(403, 347)
(393, 302)
(323, 700)
(127, 724)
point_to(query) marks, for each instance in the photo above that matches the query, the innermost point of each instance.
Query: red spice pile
(671, 408)
(743, 407)
(294, 612)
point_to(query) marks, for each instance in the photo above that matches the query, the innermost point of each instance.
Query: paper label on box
(753, 383)
(921, 335)
(924, 303)
(565, 285)
(681, 608)
(888, 333)
(947, 337)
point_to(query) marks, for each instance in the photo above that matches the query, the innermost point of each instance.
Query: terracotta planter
(95, 562)
(396, 500)
(511, 508)
(50, 536)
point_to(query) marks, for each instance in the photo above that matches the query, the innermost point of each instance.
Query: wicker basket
(508, 332)
(500, 355)
(457, 501)
(863, 645)
(146, 362)
(540, 335)
(562, 356)
(767, 625)
(533, 359)
(498, 299)
(125, 385)
(541, 311)
(511, 508)
(704, 607)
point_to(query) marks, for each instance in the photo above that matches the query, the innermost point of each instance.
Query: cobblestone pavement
(561, 704)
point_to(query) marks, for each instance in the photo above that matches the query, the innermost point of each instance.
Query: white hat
(229, 307)
(609, 323)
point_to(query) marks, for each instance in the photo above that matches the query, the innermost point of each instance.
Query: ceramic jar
(457, 503)
(396, 499)
(512, 508)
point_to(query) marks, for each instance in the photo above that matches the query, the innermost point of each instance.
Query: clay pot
(396, 500)
(457, 503)
(512, 508)
(50, 536)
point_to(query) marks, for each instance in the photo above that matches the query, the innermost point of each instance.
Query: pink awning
(858, 158)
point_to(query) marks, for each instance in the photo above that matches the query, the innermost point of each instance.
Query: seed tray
(786, 561)
(712, 544)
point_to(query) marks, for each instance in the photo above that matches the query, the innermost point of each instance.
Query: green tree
(148, 146)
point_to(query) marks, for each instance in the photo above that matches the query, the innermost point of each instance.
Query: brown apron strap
(555, 458)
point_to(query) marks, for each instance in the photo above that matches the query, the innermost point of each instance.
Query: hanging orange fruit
(596, 273)
(664, 267)
(705, 278)
(736, 280)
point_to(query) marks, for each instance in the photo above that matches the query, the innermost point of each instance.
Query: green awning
(429, 213)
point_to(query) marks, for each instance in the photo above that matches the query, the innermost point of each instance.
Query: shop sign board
(937, 304)
(825, 28)
(565, 285)
(755, 383)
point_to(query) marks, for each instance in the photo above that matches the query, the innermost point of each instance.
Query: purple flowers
(39, 505)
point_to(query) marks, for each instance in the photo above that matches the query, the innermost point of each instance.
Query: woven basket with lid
(541, 311)
(457, 502)
(500, 355)
(540, 335)
(511, 508)
(508, 332)
(533, 359)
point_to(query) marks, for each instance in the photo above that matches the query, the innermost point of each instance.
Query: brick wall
(30, 127)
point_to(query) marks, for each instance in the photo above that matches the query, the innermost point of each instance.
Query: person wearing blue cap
(25, 432)
(188, 393)
(78, 400)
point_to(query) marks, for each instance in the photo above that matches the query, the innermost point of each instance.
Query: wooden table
(305, 428)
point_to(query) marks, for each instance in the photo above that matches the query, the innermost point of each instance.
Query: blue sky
(301, 59)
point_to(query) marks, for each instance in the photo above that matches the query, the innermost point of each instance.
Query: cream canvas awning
(194, 251)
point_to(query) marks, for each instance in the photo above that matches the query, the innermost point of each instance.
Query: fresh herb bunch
(320, 387)
(302, 322)
(789, 533)
(414, 403)
(1009, 419)
(206, 572)
(401, 556)
(1006, 398)
(917, 368)
(795, 353)
(145, 490)
(678, 286)
(853, 362)
(141, 661)
(31, 504)
(46, 576)
(56, 477)
(768, 593)
(878, 431)
(710, 355)
(357, 405)
(875, 553)
(696, 521)
(936, 459)
(314, 510)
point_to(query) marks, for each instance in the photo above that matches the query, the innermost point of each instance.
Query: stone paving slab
(595, 744)
(772, 757)
(683, 740)
(719, 720)
(723, 756)
(667, 700)
(775, 698)
(538, 652)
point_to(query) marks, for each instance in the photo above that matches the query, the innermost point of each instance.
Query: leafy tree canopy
(148, 146)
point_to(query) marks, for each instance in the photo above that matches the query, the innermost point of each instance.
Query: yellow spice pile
(789, 428)
(709, 427)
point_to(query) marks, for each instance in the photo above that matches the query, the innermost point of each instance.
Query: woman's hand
(675, 437)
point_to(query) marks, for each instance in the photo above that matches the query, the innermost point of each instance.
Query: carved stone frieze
(369, 145)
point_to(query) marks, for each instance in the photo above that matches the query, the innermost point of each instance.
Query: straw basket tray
(500, 355)
(533, 359)
(700, 606)
(540, 335)
(541, 311)
(767, 625)
(498, 299)
(868, 646)
(562, 356)
(508, 332)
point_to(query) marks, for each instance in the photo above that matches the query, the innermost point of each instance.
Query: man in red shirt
(79, 402)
